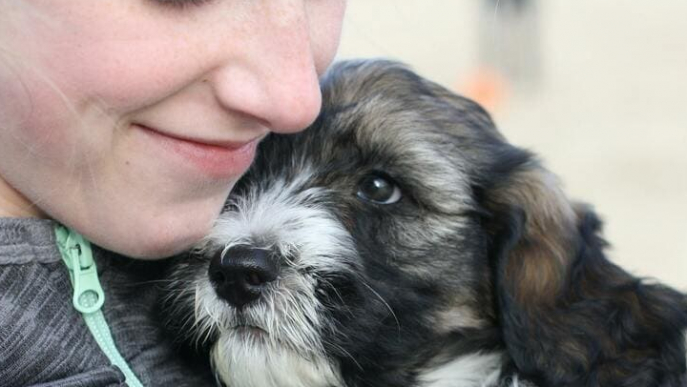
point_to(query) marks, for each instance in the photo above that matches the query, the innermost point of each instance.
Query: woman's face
(130, 120)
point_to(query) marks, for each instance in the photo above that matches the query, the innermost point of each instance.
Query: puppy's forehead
(348, 82)
(387, 105)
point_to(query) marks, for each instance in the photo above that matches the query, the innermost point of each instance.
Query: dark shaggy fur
(478, 271)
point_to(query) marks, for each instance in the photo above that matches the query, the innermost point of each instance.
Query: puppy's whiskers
(398, 324)
(346, 353)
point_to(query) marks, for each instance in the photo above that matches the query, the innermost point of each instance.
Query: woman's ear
(569, 317)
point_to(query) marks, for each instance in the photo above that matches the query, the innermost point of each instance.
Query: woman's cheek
(33, 118)
(326, 19)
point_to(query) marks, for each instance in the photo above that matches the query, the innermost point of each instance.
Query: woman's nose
(274, 77)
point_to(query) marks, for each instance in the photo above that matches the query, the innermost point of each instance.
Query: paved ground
(609, 114)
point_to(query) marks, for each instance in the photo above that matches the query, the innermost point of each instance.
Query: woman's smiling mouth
(217, 159)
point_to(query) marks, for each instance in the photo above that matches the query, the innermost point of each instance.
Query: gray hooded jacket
(44, 340)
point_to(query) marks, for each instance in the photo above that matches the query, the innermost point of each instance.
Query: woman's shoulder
(44, 339)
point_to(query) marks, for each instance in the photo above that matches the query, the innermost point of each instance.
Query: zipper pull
(89, 296)
(77, 254)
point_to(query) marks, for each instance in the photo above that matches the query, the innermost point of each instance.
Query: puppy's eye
(379, 189)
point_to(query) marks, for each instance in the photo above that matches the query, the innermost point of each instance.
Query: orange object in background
(486, 87)
(509, 59)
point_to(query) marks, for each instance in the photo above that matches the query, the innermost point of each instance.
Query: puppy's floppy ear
(570, 317)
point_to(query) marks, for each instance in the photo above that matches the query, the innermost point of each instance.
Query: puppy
(402, 241)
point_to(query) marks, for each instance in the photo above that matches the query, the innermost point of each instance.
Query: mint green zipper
(89, 297)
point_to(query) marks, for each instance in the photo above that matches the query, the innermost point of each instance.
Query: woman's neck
(14, 205)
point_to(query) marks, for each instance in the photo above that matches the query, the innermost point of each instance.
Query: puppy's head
(402, 231)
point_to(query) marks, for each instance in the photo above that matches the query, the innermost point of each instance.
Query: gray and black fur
(402, 241)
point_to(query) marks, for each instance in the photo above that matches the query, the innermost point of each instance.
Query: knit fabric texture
(44, 340)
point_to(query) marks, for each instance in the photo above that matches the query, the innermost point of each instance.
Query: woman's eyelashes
(181, 3)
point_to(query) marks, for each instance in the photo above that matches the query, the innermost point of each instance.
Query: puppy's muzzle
(240, 274)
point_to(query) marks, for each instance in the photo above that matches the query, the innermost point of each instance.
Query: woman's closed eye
(181, 3)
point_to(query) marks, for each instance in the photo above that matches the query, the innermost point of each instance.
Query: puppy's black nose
(241, 273)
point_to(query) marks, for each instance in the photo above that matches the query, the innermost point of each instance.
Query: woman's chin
(151, 237)
(155, 250)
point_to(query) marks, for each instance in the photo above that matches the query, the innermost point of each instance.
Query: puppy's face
(366, 250)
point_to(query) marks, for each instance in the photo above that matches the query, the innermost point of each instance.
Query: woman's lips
(215, 159)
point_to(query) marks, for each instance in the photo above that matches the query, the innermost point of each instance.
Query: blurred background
(598, 88)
